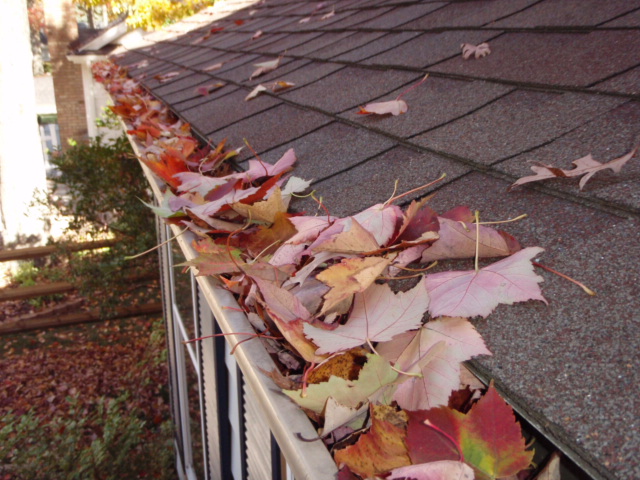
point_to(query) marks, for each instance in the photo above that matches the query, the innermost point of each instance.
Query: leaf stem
(448, 437)
(412, 87)
(157, 246)
(393, 199)
(477, 239)
(566, 277)
(410, 374)
(520, 217)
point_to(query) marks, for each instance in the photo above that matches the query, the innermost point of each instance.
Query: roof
(562, 81)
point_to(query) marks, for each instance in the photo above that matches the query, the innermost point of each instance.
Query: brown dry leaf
(382, 448)
(586, 166)
(265, 211)
(265, 67)
(353, 239)
(350, 276)
(346, 365)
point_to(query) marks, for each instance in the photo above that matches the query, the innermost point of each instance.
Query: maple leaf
(257, 35)
(551, 470)
(217, 262)
(264, 211)
(265, 67)
(478, 51)
(586, 166)
(459, 239)
(165, 77)
(491, 438)
(305, 20)
(375, 374)
(393, 107)
(441, 470)
(258, 168)
(382, 448)
(274, 87)
(350, 276)
(352, 238)
(207, 89)
(471, 293)
(436, 352)
(378, 314)
(254, 93)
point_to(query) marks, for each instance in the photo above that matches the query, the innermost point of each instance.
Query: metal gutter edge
(307, 460)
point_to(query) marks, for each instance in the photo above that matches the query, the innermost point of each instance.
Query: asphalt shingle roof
(562, 81)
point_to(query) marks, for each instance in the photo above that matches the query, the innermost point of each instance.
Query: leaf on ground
(265, 211)
(426, 444)
(165, 77)
(327, 16)
(586, 166)
(265, 67)
(258, 169)
(458, 240)
(376, 374)
(257, 35)
(274, 87)
(441, 470)
(452, 341)
(255, 92)
(351, 275)
(393, 107)
(491, 438)
(378, 314)
(472, 293)
(477, 51)
(305, 20)
(382, 448)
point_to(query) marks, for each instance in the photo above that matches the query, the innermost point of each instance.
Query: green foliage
(148, 14)
(110, 442)
(28, 275)
(100, 188)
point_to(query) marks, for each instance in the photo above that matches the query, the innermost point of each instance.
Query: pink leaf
(435, 351)
(478, 51)
(257, 35)
(586, 166)
(305, 20)
(394, 107)
(441, 470)
(472, 293)
(165, 77)
(378, 314)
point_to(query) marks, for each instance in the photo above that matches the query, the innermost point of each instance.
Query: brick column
(62, 29)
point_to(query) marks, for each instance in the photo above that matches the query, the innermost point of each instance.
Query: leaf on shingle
(274, 87)
(211, 68)
(472, 293)
(257, 35)
(254, 93)
(265, 67)
(327, 16)
(305, 20)
(393, 107)
(264, 211)
(477, 51)
(586, 166)
(165, 77)
(207, 89)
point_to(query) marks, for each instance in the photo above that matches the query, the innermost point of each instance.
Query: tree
(147, 14)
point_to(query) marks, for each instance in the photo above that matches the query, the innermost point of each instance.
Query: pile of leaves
(86, 402)
(369, 344)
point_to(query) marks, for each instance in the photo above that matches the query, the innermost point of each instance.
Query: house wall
(62, 29)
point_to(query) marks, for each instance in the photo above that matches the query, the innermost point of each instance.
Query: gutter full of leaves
(379, 372)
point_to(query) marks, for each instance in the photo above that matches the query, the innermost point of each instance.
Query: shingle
(435, 102)
(328, 38)
(305, 72)
(349, 88)
(573, 361)
(373, 181)
(287, 42)
(401, 15)
(476, 13)
(505, 127)
(535, 57)
(627, 82)
(568, 13)
(376, 46)
(629, 20)
(221, 112)
(354, 19)
(331, 149)
(428, 49)
(608, 136)
(347, 43)
(290, 123)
